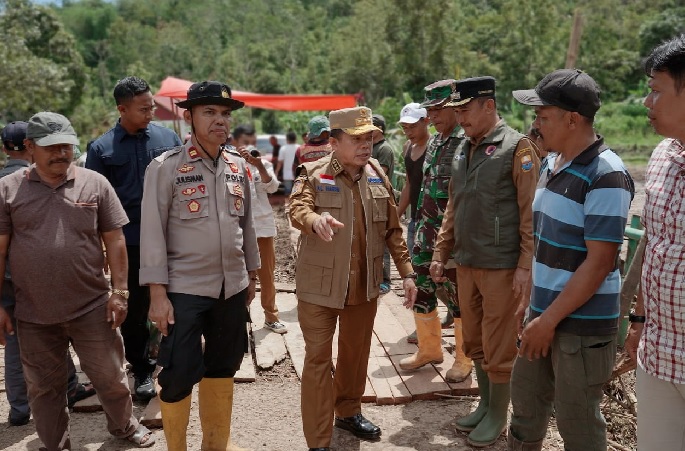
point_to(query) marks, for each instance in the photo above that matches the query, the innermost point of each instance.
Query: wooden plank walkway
(386, 382)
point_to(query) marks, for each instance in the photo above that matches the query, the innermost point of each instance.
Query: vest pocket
(330, 202)
(315, 272)
(380, 203)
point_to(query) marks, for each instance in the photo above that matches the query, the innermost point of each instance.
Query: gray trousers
(569, 380)
(15, 384)
(101, 352)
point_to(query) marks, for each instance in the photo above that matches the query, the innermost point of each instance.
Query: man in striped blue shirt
(568, 339)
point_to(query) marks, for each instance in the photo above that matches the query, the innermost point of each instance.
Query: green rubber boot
(491, 427)
(470, 421)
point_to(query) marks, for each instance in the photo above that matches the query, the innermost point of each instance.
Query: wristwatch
(123, 293)
(411, 275)
(633, 318)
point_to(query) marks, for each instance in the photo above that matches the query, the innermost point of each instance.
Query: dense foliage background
(68, 57)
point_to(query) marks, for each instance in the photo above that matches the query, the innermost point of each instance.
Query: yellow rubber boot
(462, 365)
(175, 417)
(216, 407)
(429, 334)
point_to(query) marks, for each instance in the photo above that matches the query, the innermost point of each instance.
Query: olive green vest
(486, 217)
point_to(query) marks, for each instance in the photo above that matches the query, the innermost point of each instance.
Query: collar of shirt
(676, 153)
(17, 162)
(494, 135)
(33, 176)
(588, 155)
(120, 132)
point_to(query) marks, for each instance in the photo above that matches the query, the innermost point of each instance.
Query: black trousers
(134, 329)
(223, 324)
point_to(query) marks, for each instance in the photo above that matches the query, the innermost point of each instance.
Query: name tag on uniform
(333, 189)
(375, 180)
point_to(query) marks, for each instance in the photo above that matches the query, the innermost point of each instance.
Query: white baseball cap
(412, 113)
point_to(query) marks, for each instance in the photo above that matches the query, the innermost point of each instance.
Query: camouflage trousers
(429, 291)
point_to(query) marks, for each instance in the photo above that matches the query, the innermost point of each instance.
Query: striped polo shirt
(585, 200)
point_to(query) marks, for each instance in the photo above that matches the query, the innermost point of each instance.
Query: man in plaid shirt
(657, 334)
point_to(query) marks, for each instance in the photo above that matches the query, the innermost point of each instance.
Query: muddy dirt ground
(266, 414)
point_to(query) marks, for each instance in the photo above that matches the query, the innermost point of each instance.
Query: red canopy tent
(174, 89)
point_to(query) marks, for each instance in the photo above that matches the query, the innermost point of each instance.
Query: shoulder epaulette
(169, 153)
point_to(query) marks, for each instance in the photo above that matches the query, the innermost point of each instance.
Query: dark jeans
(223, 324)
(134, 328)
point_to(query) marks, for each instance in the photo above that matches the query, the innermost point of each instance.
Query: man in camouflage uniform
(431, 207)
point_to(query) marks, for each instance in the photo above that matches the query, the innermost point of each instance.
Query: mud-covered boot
(175, 417)
(430, 342)
(461, 368)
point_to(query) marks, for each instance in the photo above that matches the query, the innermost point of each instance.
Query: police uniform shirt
(197, 232)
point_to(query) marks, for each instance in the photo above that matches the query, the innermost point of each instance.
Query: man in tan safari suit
(343, 207)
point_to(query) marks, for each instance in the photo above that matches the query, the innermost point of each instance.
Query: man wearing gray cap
(317, 144)
(54, 218)
(568, 339)
(13, 137)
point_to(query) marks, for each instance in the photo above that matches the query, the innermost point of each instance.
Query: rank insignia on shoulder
(194, 206)
(186, 168)
(525, 150)
(233, 166)
(335, 165)
(193, 153)
(490, 150)
(189, 191)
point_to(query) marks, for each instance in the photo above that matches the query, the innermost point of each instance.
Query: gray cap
(48, 129)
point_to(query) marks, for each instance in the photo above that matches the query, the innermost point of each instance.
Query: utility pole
(574, 41)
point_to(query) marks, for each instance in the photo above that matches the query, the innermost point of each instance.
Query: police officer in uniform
(343, 205)
(199, 256)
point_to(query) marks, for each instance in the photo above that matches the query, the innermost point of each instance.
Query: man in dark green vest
(488, 225)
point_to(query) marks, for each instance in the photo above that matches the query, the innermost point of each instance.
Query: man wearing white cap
(414, 123)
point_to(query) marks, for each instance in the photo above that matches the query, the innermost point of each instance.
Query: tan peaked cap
(353, 121)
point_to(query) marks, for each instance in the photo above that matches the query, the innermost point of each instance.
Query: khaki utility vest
(323, 268)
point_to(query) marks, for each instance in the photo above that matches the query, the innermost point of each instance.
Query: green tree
(40, 66)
